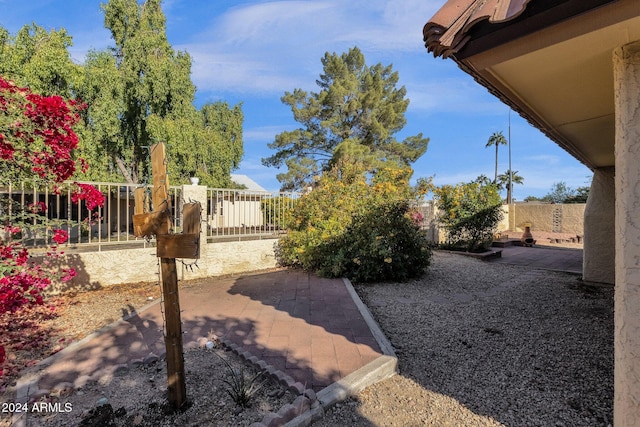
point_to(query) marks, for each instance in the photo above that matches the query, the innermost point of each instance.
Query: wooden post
(169, 247)
(177, 390)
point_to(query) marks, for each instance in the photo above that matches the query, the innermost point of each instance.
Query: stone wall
(552, 218)
(106, 268)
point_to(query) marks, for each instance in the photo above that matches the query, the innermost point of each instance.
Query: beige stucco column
(599, 231)
(626, 62)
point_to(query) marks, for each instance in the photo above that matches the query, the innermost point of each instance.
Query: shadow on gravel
(537, 350)
(541, 349)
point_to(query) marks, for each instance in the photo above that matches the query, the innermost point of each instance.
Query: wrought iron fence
(243, 213)
(230, 214)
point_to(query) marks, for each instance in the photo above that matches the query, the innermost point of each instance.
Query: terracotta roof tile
(447, 31)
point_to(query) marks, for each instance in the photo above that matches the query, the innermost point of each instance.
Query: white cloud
(262, 134)
(276, 46)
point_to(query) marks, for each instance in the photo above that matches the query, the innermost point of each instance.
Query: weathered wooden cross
(169, 247)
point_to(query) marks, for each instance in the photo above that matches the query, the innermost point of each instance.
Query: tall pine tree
(356, 104)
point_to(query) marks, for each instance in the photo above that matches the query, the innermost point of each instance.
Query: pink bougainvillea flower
(38, 207)
(60, 236)
(12, 229)
(90, 194)
(69, 274)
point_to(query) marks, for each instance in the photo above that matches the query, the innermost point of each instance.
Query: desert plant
(240, 386)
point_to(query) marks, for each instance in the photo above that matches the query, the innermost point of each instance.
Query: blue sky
(254, 51)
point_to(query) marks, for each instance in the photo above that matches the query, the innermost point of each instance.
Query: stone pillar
(599, 230)
(190, 194)
(626, 66)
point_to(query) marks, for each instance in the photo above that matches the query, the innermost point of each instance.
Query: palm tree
(503, 182)
(496, 139)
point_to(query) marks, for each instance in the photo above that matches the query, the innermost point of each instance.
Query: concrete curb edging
(380, 369)
(382, 340)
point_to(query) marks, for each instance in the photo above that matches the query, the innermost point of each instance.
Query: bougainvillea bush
(37, 142)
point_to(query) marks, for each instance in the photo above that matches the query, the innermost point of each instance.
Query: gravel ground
(483, 344)
(138, 397)
(478, 344)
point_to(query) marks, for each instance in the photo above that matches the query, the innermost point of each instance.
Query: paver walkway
(559, 259)
(308, 327)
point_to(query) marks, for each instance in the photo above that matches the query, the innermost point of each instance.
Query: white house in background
(247, 182)
(236, 211)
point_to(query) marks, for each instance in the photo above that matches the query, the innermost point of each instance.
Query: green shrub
(347, 218)
(381, 244)
(470, 214)
(275, 209)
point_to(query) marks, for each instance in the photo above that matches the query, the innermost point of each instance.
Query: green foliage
(469, 213)
(354, 227)
(207, 144)
(40, 60)
(276, 210)
(355, 102)
(503, 182)
(383, 243)
(579, 196)
(562, 193)
(241, 387)
(137, 93)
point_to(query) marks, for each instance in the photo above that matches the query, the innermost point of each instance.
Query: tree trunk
(124, 171)
(495, 179)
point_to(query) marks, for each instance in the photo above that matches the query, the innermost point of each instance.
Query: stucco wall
(626, 405)
(599, 256)
(99, 269)
(556, 218)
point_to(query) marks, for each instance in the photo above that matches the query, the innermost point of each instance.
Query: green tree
(101, 142)
(40, 60)
(355, 102)
(496, 139)
(206, 144)
(560, 191)
(137, 93)
(140, 92)
(156, 84)
(580, 195)
(469, 213)
(506, 178)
